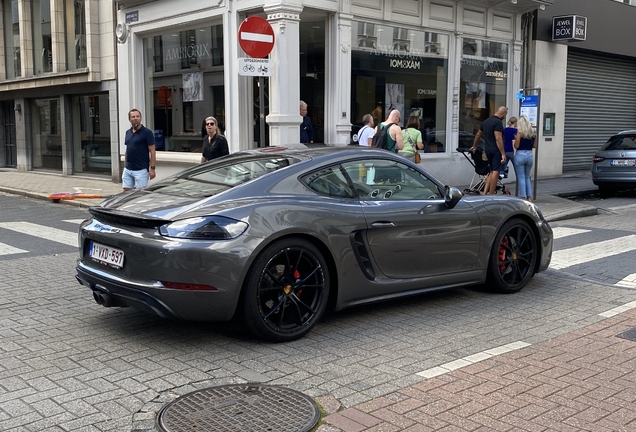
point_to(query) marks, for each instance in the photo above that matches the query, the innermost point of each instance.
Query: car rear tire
(606, 191)
(286, 290)
(513, 257)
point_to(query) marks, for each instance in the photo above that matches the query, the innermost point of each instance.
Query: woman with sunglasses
(214, 144)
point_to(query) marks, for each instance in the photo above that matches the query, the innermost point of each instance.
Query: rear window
(215, 177)
(621, 142)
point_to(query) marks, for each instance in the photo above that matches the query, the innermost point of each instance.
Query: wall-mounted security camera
(121, 31)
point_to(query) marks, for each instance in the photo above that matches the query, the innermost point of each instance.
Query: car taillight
(204, 228)
(596, 159)
(188, 286)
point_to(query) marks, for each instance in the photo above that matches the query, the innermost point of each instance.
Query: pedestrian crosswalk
(34, 232)
(588, 252)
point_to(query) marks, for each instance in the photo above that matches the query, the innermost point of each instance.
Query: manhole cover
(628, 334)
(244, 407)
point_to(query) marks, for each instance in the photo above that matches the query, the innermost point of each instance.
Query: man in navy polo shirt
(140, 155)
(492, 131)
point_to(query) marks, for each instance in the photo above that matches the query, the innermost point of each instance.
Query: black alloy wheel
(286, 291)
(513, 257)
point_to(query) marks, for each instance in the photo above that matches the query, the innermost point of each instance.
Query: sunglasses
(209, 124)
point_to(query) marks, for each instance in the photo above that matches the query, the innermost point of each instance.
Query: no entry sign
(256, 37)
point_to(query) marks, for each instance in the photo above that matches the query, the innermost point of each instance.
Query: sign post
(530, 106)
(256, 37)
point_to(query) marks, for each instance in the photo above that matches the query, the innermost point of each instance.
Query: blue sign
(529, 101)
(160, 141)
(132, 16)
(530, 108)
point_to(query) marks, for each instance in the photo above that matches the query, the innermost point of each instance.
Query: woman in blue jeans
(523, 160)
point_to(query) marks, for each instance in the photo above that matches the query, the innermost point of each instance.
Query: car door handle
(382, 224)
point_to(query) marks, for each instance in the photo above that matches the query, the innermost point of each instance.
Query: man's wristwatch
(152, 167)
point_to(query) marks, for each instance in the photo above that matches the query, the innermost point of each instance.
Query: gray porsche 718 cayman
(276, 236)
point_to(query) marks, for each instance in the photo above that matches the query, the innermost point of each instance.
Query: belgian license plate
(623, 162)
(106, 255)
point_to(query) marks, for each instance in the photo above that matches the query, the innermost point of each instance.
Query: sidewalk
(551, 193)
(580, 381)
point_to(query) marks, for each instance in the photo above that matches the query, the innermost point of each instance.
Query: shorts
(135, 179)
(494, 160)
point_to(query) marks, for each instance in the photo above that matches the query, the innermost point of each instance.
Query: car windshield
(621, 142)
(213, 178)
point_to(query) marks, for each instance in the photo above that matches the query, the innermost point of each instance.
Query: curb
(45, 197)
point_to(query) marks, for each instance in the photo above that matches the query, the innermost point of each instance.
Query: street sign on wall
(256, 37)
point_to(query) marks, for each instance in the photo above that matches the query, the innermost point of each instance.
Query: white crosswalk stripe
(5, 249)
(53, 234)
(560, 232)
(580, 255)
(74, 221)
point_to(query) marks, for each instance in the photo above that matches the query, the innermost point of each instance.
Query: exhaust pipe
(102, 298)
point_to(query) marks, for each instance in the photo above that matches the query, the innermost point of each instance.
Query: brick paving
(580, 381)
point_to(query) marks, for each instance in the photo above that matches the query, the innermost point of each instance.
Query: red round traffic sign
(256, 37)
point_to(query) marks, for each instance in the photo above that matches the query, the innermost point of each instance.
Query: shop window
(483, 87)
(91, 138)
(11, 38)
(47, 140)
(406, 70)
(75, 24)
(366, 35)
(42, 41)
(183, 85)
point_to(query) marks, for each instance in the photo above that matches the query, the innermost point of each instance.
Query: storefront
(448, 64)
(58, 91)
(586, 80)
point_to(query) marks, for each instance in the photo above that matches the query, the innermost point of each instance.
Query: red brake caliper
(502, 253)
(297, 276)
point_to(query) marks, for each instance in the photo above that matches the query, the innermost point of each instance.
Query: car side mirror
(452, 195)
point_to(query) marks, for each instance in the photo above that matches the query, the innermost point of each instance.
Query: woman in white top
(412, 138)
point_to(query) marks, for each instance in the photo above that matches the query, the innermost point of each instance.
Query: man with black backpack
(388, 134)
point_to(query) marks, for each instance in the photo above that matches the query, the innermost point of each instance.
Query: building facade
(58, 93)
(448, 62)
(588, 83)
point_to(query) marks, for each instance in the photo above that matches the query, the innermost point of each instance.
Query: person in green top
(412, 138)
(394, 136)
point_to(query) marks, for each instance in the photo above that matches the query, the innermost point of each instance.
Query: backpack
(380, 139)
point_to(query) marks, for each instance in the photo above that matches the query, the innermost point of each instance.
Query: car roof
(627, 132)
(302, 151)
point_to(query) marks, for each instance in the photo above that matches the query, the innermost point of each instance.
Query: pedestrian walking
(140, 157)
(306, 128)
(412, 139)
(214, 144)
(509, 136)
(492, 131)
(525, 141)
(365, 134)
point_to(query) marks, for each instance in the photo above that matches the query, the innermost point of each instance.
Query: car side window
(329, 181)
(377, 180)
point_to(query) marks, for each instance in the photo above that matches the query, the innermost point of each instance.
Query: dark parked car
(614, 164)
(276, 236)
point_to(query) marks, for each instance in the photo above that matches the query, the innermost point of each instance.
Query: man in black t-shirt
(492, 131)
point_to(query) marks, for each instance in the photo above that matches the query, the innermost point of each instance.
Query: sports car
(274, 237)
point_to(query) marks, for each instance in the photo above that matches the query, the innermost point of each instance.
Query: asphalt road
(67, 364)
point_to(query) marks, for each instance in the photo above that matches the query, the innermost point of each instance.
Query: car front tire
(513, 257)
(286, 290)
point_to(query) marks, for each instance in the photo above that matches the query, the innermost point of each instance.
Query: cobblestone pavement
(546, 358)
